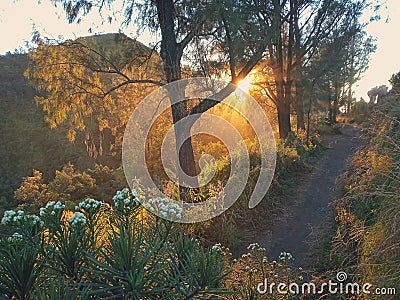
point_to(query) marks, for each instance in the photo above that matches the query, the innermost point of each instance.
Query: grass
(367, 239)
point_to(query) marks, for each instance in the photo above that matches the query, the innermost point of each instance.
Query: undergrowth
(367, 240)
(120, 251)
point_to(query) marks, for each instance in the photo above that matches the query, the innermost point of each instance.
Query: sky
(18, 18)
(385, 61)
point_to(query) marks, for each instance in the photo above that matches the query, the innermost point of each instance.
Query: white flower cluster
(255, 247)
(88, 205)
(217, 247)
(286, 256)
(77, 220)
(12, 217)
(126, 199)
(165, 208)
(52, 208)
(220, 249)
(35, 220)
(16, 237)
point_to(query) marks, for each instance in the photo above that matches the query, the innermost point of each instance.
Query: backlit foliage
(367, 237)
(68, 185)
(90, 84)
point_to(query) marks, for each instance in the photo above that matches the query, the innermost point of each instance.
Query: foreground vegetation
(27, 142)
(121, 251)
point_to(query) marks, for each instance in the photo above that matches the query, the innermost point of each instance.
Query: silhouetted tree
(395, 82)
(376, 93)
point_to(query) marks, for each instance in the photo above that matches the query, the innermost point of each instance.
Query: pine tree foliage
(84, 83)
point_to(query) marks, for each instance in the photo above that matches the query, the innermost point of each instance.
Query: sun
(245, 84)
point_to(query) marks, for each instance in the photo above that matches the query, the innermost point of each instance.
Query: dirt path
(311, 203)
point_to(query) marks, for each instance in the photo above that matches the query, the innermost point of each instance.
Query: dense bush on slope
(367, 240)
(27, 142)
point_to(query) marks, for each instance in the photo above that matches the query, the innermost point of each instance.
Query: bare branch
(133, 81)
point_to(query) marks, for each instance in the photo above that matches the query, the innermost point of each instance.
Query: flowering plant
(165, 207)
(125, 201)
(97, 252)
(100, 253)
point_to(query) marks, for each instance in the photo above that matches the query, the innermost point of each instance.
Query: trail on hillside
(311, 205)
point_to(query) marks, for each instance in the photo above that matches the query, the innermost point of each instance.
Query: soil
(301, 226)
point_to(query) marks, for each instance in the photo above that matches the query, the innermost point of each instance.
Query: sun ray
(245, 84)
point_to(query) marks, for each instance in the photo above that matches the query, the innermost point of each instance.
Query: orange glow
(246, 84)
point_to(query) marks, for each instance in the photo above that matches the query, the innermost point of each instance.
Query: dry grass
(367, 240)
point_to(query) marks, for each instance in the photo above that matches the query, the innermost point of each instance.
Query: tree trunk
(298, 102)
(335, 108)
(185, 151)
(171, 54)
(282, 106)
(284, 119)
(330, 117)
(350, 97)
(309, 112)
(300, 116)
(282, 68)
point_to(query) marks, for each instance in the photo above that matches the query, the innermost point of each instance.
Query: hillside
(27, 142)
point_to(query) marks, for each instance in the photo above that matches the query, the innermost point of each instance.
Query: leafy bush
(69, 186)
(361, 112)
(253, 268)
(319, 125)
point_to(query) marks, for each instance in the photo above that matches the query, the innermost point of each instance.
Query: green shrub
(69, 186)
(104, 252)
(123, 252)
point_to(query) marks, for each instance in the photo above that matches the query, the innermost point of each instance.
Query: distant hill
(121, 49)
(27, 142)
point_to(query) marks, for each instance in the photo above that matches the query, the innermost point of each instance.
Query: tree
(360, 111)
(183, 25)
(300, 29)
(376, 93)
(86, 85)
(339, 61)
(174, 42)
(395, 82)
(32, 191)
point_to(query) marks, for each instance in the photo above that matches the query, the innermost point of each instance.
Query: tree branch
(131, 81)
